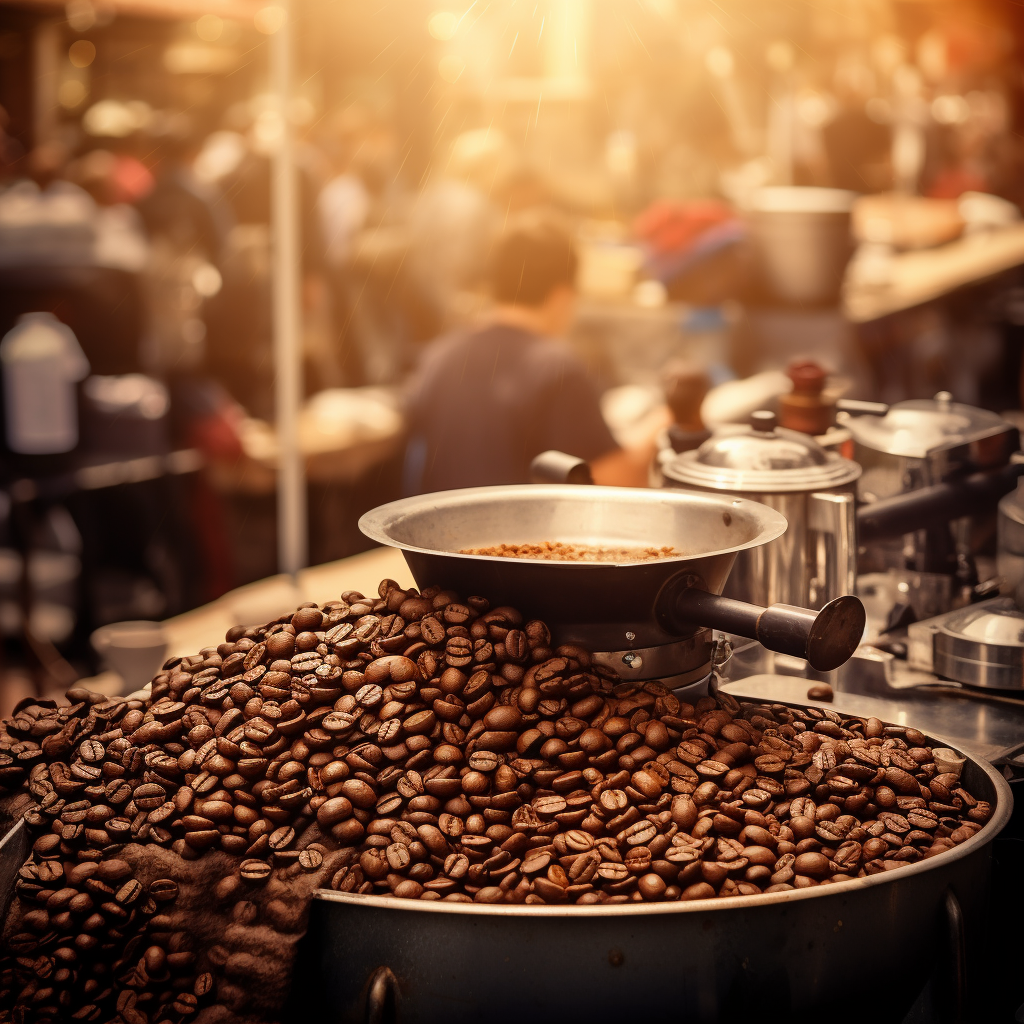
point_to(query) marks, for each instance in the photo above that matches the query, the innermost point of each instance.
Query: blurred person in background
(381, 313)
(342, 209)
(458, 216)
(11, 150)
(485, 401)
(238, 317)
(178, 206)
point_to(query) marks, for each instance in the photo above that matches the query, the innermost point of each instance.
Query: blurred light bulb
(81, 15)
(888, 53)
(907, 80)
(301, 110)
(450, 68)
(932, 55)
(950, 109)
(81, 53)
(720, 62)
(442, 25)
(268, 131)
(815, 109)
(879, 110)
(663, 8)
(780, 56)
(206, 280)
(650, 294)
(209, 28)
(269, 19)
(620, 154)
(72, 93)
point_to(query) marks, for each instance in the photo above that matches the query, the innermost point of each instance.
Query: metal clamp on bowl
(555, 467)
(825, 639)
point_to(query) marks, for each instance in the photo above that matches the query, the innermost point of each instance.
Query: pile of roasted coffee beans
(456, 756)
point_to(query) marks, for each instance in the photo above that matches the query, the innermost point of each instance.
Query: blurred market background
(138, 141)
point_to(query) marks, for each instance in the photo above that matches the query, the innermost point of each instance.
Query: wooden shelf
(921, 276)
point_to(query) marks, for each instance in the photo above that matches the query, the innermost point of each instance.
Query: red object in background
(672, 226)
(130, 180)
(953, 182)
(215, 434)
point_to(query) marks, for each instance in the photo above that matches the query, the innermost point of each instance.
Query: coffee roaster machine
(903, 521)
(381, 958)
(909, 523)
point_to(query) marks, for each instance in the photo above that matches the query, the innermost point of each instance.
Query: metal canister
(815, 560)
(1010, 543)
(918, 444)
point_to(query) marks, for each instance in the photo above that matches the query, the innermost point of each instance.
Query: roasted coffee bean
(253, 870)
(163, 890)
(310, 859)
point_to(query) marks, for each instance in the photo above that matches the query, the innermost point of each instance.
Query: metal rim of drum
(1002, 808)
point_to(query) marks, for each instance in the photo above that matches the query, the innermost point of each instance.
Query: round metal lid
(983, 646)
(1000, 624)
(761, 459)
(916, 427)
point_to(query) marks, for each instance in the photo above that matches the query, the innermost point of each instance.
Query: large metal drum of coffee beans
(843, 950)
(765, 957)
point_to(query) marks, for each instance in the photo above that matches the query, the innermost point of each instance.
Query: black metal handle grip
(905, 513)
(826, 639)
(555, 467)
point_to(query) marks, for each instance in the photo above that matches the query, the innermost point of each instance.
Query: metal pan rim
(377, 523)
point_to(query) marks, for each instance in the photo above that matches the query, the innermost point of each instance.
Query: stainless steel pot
(1010, 539)
(816, 560)
(954, 455)
(820, 950)
(655, 615)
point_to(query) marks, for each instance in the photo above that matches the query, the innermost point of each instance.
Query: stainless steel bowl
(593, 603)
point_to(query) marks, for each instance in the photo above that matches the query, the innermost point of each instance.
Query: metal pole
(291, 477)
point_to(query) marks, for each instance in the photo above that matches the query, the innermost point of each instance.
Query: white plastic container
(41, 361)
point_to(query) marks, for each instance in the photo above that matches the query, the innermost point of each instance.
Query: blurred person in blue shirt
(484, 401)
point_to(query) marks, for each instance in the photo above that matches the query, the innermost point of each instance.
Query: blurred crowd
(580, 284)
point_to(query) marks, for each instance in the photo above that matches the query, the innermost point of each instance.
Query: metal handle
(905, 513)
(832, 534)
(555, 467)
(953, 975)
(381, 997)
(826, 639)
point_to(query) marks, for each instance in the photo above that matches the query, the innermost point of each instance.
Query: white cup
(134, 650)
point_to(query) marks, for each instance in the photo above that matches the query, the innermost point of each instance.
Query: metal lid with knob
(916, 427)
(761, 458)
(982, 645)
